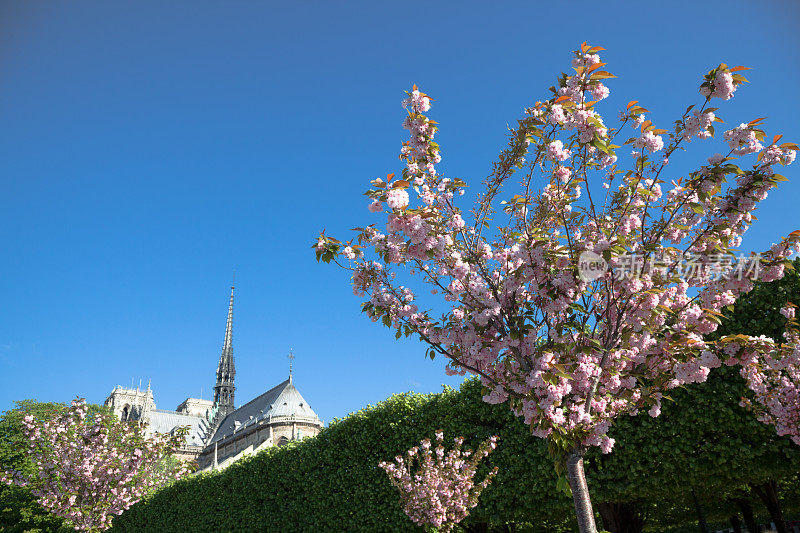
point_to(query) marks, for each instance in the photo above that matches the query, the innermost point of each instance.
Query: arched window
(125, 412)
(283, 441)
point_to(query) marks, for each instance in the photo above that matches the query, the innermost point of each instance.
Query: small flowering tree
(437, 489)
(585, 294)
(89, 466)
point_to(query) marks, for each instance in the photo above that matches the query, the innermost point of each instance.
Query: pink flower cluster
(599, 92)
(774, 155)
(650, 141)
(421, 153)
(557, 152)
(397, 199)
(698, 124)
(743, 140)
(723, 86)
(772, 372)
(571, 110)
(417, 102)
(437, 488)
(91, 467)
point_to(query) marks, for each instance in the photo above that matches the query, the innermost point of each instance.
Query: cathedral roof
(165, 421)
(281, 403)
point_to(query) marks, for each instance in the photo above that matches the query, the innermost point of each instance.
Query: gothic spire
(226, 371)
(227, 347)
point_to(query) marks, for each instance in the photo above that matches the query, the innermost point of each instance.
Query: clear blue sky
(148, 149)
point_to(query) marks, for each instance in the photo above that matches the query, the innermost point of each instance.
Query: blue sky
(150, 149)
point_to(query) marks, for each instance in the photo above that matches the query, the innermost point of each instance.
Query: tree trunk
(768, 492)
(747, 514)
(736, 524)
(621, 517)
(701, 518)
(580, 491)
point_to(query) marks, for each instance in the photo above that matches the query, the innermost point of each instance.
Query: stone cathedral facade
(219, 432)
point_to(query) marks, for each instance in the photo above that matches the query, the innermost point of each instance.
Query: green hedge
(331, 482)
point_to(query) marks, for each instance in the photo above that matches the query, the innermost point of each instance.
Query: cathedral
(219, 432)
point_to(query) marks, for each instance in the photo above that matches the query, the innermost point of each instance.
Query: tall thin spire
(228, 346)
(291, 360)
(226, 371)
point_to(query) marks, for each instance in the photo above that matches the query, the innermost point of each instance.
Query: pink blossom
(606, 444)
(438, 489)
(650, 141)
(600, 92)
(397, 198)
(557, 152)
(562, 174)
(724, 86)
(743, 140)
(456, 222)
(557, 115)
(698, 124)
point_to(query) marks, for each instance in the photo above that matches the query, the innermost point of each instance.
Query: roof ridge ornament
(291, 357)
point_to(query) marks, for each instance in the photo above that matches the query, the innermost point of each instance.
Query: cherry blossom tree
(437, 489)
(89, 466)
(583, 292)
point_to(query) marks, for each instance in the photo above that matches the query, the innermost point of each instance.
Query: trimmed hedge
(331, 482)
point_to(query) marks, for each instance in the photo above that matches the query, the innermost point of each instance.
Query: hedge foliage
(331, 482)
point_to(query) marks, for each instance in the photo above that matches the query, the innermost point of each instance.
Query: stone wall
(271, 434)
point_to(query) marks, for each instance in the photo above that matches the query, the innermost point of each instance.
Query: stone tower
(226, 372)
(131, 404)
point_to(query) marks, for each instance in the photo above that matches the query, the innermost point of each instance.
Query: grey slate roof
(165, 421)
(283, 400)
